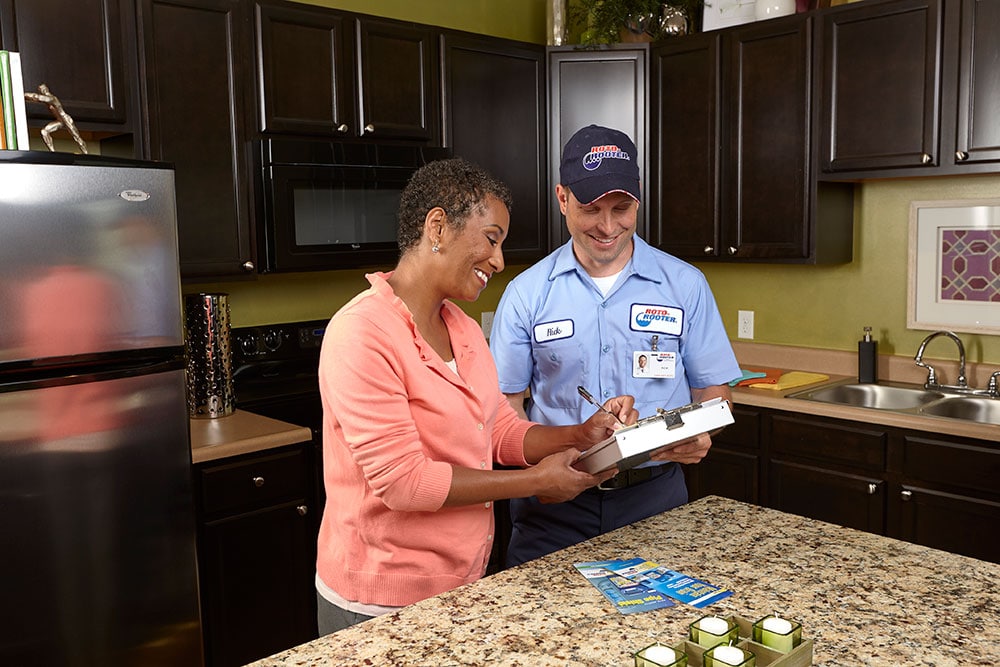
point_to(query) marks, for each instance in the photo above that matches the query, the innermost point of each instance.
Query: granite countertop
(863, 599)
(241, 433)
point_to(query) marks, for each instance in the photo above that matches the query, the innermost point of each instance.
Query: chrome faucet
(932, 383)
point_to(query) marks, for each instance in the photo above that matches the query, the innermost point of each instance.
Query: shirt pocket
(561, 368)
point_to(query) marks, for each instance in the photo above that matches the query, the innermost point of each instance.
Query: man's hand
(691, 450)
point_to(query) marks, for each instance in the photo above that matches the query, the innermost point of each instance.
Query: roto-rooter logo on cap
(592, 160)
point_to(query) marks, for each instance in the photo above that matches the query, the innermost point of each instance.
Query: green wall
(807, 306)
(514, 19)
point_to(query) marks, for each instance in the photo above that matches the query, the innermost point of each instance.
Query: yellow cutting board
(792, 379)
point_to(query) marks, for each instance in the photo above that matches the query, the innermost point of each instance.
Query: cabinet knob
(369, 129)
(342, 128)
(258, 481)
(248, 266)
(709, 250)
(733, 251)
(872, 488)
(926, 158)
(961, 156)
(905, 495)
(302, 510)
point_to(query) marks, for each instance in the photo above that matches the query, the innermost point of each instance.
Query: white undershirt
(605, 283)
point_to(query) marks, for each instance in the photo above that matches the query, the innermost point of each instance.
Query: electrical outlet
(487, 321)
(744, 328)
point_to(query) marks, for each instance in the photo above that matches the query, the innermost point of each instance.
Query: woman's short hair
(456, 185)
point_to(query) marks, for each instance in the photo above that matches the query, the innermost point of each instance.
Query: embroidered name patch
(657, 319)
(553, 330)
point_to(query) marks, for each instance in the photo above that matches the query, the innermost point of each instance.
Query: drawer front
(964, 466)
(830, 442)
(255, 482)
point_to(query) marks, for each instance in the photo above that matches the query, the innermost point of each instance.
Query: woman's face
(475, 252)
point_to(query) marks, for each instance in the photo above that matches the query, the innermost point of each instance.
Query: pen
(590, 399)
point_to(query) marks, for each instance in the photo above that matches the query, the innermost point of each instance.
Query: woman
(414, 419)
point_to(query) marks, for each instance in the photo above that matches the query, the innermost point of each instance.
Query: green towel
(747, 375)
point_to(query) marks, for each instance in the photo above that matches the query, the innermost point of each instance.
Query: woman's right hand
(558, 481)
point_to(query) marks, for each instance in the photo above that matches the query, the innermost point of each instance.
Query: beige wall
(806, 306)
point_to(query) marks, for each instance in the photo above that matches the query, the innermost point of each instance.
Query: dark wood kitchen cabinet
(977, 132)
(828, 470)
(327, 73)
(947, 496)
(194, 74)
(732, 171)
(494, 103)
(84, 51)
(732, 466)
(606, 86)
(258, 518)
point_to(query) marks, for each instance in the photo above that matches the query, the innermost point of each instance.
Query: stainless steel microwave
(333, 205)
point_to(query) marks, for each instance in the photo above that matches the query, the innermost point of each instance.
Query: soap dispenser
(867, 358)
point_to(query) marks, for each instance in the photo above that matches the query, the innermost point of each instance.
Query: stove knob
(272, 339)
(248, 344)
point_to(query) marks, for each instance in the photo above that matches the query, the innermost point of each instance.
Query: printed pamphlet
(636, 584)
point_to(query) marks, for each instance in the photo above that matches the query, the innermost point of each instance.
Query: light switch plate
(487, 323)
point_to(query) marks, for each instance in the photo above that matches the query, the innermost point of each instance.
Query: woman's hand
(558, 481)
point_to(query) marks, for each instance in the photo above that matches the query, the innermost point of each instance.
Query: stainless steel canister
(209, 356)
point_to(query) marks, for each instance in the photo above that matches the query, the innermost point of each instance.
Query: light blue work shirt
(554, 331)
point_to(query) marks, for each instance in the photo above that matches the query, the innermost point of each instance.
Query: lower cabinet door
(828, 495)
(258, 594)
(947, 521)
(726, 473)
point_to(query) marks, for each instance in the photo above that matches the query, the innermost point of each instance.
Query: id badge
(653, 364)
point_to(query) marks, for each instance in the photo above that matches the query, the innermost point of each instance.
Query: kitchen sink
(886, 396)
(908, 399)
(972, 408)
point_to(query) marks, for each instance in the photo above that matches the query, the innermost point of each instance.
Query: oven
(333, 205)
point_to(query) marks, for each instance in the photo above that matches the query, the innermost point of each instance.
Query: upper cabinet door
(978, 132)
(305, 70)
(881, 86)
(79, 50)
(397, 75)
(494, 96)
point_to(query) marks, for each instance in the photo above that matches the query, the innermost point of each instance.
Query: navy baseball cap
(598, 160)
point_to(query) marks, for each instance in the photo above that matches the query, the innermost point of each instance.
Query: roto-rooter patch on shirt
(658, 319)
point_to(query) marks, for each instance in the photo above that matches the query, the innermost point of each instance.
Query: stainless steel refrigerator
(98, 559)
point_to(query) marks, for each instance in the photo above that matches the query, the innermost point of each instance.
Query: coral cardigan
(395, 418)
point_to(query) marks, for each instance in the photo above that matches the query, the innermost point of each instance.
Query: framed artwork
(724, 13)
(954, 266)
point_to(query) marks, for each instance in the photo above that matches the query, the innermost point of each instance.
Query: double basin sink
(907, 399)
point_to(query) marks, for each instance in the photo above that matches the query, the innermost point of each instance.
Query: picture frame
(954, 266)
(718, 14)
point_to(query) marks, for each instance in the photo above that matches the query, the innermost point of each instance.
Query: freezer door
(88, 260)
(98, 517)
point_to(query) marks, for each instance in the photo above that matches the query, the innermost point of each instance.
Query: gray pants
(330, 617)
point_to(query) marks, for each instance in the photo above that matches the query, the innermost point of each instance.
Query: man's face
(601, 231)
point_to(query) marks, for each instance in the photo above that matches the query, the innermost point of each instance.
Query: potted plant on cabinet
(614, 21)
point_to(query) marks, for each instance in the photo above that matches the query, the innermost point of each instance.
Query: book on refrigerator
(632, 445)
(20, 108)
(7, 98)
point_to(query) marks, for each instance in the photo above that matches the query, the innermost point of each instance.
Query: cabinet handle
(905, 495)
(926, 158)
(248, 266)
(369, 129)
(961, 156)
(302, 510)
(258, 481)
(709, 250)
(872, 488)
(732, 250)
(342, 128)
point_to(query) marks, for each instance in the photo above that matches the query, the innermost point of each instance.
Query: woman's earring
(435, 247)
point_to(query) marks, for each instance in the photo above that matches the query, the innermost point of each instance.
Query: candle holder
(711, 633)
(781, 634)
(728, 656)
(658, 655)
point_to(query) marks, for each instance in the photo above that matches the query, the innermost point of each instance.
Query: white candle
(661, 655)
(777, 634)
(714, 625)
(730, 655)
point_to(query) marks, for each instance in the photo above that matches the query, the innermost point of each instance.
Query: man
(585, 316)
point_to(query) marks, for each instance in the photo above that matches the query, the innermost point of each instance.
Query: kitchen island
(863, 599)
